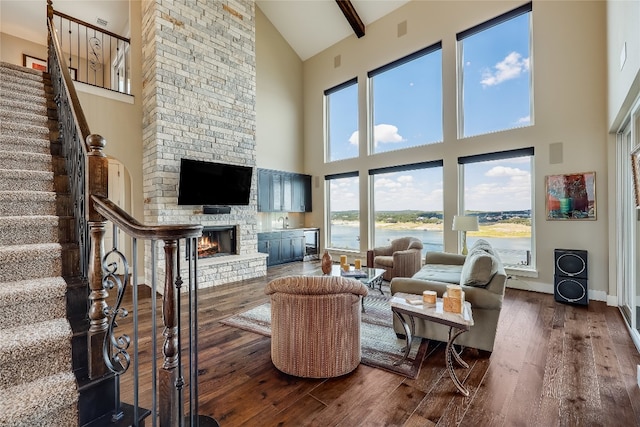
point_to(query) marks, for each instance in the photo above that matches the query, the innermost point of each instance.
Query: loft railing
(113, 351)
(94, 55)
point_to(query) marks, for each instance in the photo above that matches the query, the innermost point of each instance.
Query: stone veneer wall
(199, 90)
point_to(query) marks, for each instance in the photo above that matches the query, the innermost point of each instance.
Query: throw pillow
(478, 269)
(483, 245)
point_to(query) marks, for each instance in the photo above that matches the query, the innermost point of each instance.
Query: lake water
(512, 250)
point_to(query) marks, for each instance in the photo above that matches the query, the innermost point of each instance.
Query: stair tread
(43, 248)
(27, 195)
(38, 398)
(4, 66)
(21, 129)
(32, 219)
(25, 291)
(19, 116)
(22, 141)
(37, 335)
(26, 156)
(27, 174)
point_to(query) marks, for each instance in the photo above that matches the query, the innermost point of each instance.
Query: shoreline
(501, 230)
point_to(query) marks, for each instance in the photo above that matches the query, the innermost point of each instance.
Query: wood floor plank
(497, 390)
(526, 400)
(393, 409)
(613, 394)
(531, 378)
(356, 402)
(580, 402)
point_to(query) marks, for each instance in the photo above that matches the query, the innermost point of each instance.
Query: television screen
(207, 183)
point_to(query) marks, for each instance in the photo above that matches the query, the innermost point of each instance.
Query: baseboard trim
(547, 288)
(517, 283)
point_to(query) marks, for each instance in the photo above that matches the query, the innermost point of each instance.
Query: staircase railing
(95, 56)
(108, 350)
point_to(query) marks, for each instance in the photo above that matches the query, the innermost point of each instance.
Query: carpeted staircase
(37, 382)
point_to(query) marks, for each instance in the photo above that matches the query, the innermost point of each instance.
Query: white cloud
(354, 138)
(382, 133)
(407, 191)
(511, 67)
(385, 183)
(511, 192)
(524, 120)
(505, 171)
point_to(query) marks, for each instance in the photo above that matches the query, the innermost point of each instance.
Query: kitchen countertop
(275, 230)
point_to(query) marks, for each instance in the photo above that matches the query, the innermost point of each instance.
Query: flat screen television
(217, 184)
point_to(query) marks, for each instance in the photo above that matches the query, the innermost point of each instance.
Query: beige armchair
(402, 258)
(315, 325)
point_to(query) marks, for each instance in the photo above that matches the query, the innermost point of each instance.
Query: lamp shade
(465, 223)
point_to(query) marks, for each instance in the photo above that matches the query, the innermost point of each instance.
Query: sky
(407, 112)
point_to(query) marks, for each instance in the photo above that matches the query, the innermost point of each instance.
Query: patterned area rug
(379, 344)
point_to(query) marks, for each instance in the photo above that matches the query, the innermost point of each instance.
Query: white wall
(569, 69)
(623, 35)
(623, 42)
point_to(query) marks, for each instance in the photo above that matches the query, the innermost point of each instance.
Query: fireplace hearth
(217, 241)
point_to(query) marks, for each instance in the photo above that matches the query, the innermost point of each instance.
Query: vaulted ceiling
(309, 26)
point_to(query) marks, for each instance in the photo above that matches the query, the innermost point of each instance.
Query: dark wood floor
(552, 365)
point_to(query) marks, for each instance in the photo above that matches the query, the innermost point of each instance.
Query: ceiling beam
(352, 16)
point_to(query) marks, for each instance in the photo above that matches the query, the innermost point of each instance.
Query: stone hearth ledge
(216, 271)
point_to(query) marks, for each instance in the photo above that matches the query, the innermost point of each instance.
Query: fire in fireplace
(217, 241)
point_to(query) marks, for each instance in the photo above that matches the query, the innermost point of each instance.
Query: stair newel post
(168, 375)
(50, 9)
(96, 184)
(98, 323)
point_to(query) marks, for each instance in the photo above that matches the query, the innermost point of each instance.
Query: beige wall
(279, 103)
(12, 48)
(569, 69)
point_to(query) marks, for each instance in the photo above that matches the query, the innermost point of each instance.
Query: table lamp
(465, 223)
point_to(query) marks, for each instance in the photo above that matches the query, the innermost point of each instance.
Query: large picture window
(407, 101)
(343, 211)
(408, 202)
(341, 103)
(495, 84)
(498, 189)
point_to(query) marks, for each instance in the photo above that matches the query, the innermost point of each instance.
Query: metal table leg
(408, 333)
(451, 353)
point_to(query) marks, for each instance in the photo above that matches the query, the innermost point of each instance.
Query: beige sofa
(483, 279)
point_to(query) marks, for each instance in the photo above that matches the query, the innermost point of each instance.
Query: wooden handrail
(78, 114)
(131, 226)
(93, 27)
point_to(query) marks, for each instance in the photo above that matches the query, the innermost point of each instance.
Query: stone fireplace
(217, 241)
(199, 103)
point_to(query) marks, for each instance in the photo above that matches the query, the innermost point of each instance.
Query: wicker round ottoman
(315, 325)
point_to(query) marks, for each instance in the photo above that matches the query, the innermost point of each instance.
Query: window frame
(327, 179)
(476, 29)
(371, 96)
(527, 270)
(327, 117)
(392, 169)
